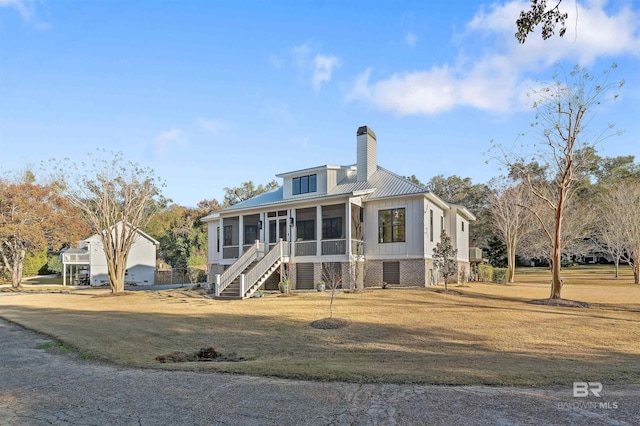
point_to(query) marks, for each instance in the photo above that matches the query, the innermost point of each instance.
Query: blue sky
(210, 94)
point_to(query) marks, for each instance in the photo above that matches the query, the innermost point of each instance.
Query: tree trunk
(636, 273)
(511, 263)
(617, 266)
(16, 270)
(556, 254)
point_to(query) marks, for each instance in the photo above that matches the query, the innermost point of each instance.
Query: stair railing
(248, 280)
(223, 280)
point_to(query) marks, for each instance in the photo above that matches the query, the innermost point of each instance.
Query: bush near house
(486, 273)
(499, 275)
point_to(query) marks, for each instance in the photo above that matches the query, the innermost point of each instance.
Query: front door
(277, 230)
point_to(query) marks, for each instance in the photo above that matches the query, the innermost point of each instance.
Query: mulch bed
(330, 323)
(203, 355)
(566, 303)
(451, 292)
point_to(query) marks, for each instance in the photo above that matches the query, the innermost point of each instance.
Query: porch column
(318, 230)
(64, 272)
(240, 234)
(262, 233)
(348, 227)
(291, 233)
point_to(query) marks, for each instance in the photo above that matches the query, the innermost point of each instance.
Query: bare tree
(564, 111)
(332, 275)
(620, 226)
(509, 217)
(116, 198)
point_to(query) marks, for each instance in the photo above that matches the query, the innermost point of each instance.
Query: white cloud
(494, 79)
(163, 142)
(323, 66)
(211, 126)
(319, 68)
(411, 39)
(24, 7)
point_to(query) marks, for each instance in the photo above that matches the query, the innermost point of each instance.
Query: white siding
(213, 255)
(141, 264)
(414, 230)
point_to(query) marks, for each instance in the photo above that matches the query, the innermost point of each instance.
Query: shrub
(54, 264)
(33, 262)
(486, 273)
(499, 275)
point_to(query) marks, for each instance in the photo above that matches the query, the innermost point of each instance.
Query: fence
(172, 277)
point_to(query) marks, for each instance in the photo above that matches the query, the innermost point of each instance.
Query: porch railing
(306, 248)
(230, 252)
(330, 247)
(75, 257)
(223, 280)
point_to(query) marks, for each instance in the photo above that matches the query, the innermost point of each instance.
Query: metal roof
(381, 184)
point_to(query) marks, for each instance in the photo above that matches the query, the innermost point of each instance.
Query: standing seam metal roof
(382, 181)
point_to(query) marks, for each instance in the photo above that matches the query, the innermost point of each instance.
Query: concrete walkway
(44, 386)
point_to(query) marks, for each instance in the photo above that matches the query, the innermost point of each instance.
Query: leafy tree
(496, 252)
(54, 264)
(34, 262)
(117, 198)
(245, 191)
(539, 14)
(181, 233)
(444, 258)
(564, 109)
(33, 218)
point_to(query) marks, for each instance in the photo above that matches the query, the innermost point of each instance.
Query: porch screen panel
(391, 272)
(304, 276)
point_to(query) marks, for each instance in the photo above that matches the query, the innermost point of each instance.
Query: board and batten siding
(321, 184)
(213, 254)
(414, 229)
(439, 219)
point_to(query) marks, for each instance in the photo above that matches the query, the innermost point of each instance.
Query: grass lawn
(488, 335)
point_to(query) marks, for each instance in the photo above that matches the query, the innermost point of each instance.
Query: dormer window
(304, 184)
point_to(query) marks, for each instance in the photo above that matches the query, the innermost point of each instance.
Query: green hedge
(499, 275)
(33, 263)
(486, 273)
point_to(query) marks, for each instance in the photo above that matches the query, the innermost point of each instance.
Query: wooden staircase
(232, 291)
(250, 272)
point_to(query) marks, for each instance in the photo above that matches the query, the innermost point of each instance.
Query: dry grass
(487, 335)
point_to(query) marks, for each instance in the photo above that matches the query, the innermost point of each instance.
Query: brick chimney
(367, 147)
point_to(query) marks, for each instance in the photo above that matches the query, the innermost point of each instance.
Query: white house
(379, 226)
(87, 264)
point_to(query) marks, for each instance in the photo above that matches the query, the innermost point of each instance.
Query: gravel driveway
(44, 386)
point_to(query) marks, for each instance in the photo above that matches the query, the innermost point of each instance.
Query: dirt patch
(566, 303)
(121, 293)
(451, 292)
(288, 294)
(330, 323)
(203, 355)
